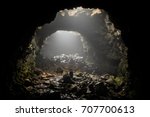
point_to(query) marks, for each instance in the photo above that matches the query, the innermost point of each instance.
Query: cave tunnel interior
(98, 44)
(78, 48)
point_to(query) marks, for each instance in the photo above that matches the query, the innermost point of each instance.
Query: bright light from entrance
(63, 42)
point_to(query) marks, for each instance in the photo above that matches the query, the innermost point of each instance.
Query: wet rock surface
(79, 87)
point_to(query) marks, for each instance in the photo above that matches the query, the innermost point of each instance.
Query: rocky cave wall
(115, 51)
(25, 21)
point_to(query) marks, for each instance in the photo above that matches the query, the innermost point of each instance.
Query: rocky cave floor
(82, 86)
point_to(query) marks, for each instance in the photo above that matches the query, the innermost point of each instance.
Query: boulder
(101, 89)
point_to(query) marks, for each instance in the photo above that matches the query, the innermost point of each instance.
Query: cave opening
(80, 52)
(102, 47)
(65, 49)
(62, 42)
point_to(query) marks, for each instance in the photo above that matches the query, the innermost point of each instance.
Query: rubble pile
(67, 58)
(73, 61)
(78, 86)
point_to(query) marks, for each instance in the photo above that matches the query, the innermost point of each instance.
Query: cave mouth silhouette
(93, 65)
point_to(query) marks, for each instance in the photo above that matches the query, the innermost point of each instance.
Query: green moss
(25, 66)
(123, 67)
(119, 81)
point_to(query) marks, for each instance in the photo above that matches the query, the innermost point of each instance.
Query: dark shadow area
(23, 19)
